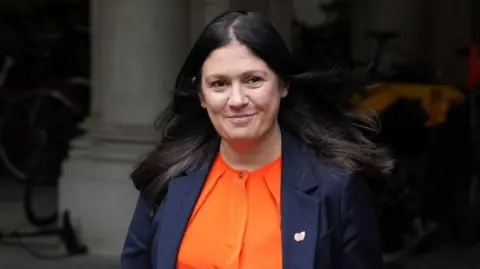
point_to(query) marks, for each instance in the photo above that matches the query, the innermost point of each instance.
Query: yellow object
(436, 99)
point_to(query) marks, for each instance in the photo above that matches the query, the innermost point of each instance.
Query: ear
(283, 91)
(200, 92)
(202, 99)
(284, 86)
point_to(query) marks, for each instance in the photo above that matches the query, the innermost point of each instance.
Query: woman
(255, 166)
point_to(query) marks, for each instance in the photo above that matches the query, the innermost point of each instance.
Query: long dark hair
(313, 111)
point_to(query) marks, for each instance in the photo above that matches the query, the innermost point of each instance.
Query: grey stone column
(138, 47)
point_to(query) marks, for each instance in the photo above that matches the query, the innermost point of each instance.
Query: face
(240, 93)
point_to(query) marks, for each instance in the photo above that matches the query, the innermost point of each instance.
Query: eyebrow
(249, 72)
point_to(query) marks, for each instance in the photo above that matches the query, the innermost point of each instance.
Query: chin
(239, 135)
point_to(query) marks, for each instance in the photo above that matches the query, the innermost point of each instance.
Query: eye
(218, 84)
(254, 80)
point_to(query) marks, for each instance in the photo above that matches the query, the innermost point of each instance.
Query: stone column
(137, 47)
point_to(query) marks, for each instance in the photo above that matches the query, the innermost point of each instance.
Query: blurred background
(81, 83)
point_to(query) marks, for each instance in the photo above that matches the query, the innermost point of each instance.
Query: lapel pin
(299, 236)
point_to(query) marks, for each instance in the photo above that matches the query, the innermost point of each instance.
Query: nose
(237, 96)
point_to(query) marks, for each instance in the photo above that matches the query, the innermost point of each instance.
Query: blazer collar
(297, 164)
(295, 155)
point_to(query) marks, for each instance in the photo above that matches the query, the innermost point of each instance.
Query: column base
(96, 189)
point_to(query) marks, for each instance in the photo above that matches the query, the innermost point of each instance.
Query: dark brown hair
(314, 110)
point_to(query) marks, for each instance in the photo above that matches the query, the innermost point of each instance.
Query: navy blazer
(334, 209)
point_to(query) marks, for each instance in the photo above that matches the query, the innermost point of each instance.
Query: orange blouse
(236, 221)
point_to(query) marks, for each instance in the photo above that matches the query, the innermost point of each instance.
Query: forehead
(233, 59)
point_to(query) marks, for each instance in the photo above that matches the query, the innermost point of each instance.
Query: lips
(241, 120)
(241, 116)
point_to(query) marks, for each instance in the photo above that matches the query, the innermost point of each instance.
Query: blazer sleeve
(136, 249)
(360, 227)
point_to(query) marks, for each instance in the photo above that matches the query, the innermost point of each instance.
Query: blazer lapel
(178, 205)
(175, 212)
(300, 211)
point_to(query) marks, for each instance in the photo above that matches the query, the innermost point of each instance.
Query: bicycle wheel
(35, 130)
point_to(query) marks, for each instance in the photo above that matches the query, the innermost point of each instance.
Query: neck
(251, 155)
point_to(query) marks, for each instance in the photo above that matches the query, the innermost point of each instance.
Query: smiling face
(240, 93)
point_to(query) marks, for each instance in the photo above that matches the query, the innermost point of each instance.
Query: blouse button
(241, 174)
